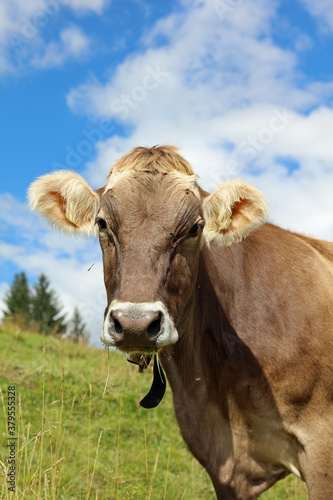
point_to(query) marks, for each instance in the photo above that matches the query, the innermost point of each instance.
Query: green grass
(82, 434)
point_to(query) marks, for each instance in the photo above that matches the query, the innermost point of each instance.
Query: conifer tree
(77, 328)
(45, 308)
(18, 299)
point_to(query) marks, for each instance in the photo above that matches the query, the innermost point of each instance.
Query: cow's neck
(205, 336)
(199, 357)
(210, 370)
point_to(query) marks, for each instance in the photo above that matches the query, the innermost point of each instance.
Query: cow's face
(150, 226)
(152, 223)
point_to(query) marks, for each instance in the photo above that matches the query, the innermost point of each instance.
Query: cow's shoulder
(276, 295)
(324, 248)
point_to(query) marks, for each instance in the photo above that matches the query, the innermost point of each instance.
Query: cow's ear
(232, 211)
(66, 200)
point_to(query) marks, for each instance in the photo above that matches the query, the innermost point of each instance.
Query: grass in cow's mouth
(159, 366)
(82, 434)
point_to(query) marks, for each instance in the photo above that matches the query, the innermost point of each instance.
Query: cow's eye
(101, 223)
(194, 229)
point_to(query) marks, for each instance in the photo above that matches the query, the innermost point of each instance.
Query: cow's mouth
(137, 350)
(141, 358)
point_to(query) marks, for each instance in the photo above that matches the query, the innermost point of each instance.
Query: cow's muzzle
(138, 326)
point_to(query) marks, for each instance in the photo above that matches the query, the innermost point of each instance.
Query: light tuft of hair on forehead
(158, 159)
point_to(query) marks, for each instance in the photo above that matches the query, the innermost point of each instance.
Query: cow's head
(152, 219)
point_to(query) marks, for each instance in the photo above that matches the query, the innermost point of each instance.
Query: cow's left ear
(232, 211)
(66, 200)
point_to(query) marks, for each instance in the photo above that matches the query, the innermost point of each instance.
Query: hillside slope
(73, 443)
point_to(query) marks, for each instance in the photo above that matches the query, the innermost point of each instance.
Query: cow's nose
(138, 325)
(132, 327)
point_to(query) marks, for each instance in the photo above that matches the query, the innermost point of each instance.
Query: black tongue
(157, 390)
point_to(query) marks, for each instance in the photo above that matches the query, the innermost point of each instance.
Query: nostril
(155, 327)
(117, 325)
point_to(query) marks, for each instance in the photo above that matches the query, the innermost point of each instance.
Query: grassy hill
(81, 433)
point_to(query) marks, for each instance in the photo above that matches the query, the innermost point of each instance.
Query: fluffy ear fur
(66, 200)
(232, 211)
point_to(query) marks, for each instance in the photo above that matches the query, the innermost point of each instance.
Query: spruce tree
(18, 300)
(45, 308)
(77, 328)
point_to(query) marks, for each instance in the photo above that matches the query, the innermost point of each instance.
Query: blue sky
(243, 87)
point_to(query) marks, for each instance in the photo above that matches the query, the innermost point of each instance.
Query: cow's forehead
(132, 179)
(164, 194)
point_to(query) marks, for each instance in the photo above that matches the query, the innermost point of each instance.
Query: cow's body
(243, 325)
(253, 388)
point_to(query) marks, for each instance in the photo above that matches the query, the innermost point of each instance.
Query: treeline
(38, 309)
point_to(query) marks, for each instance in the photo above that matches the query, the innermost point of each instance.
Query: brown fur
(260, 349)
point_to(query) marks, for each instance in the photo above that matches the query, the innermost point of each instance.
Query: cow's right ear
(66, 200)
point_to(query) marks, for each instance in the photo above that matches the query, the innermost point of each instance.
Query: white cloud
(322, 10)
(73, 44)
(3, 290)
(222, 87)
(208, 66)
(74, 40)
(301, 203)
(86, 5)
(12, 211)
(23, 26)
(74, 283)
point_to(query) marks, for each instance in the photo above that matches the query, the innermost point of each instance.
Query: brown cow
(240, 311)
